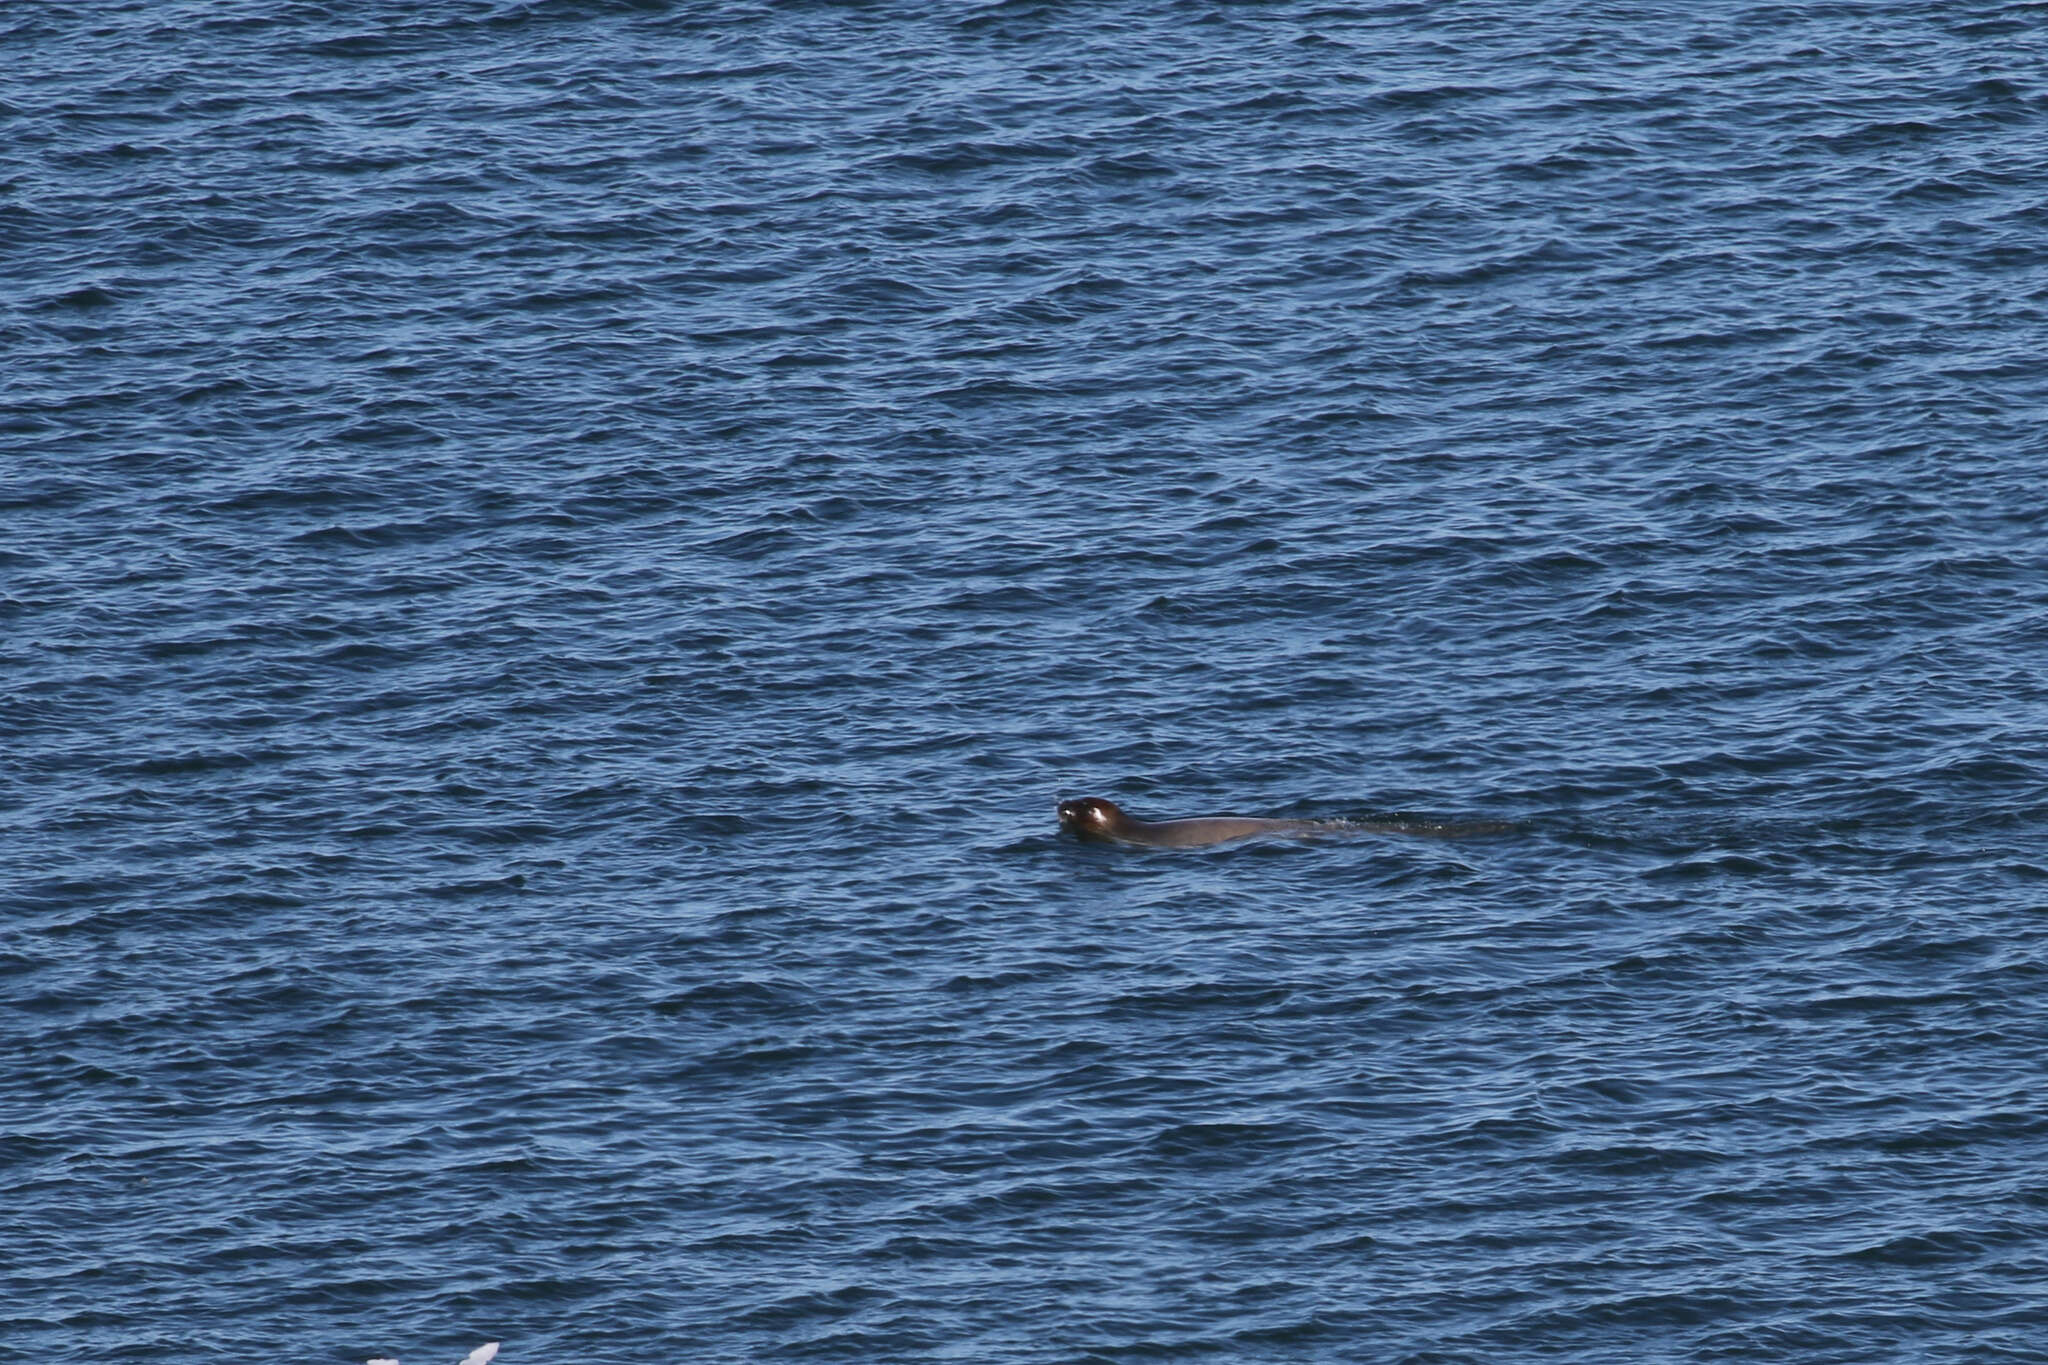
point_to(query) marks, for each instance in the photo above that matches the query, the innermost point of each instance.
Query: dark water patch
(89, 296)
(734, 1000)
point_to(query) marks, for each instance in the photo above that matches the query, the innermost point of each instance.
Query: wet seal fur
(1091, 817)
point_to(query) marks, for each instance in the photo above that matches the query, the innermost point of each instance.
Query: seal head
(1091, 817)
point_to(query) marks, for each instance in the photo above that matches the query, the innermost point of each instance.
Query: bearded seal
(1091, 817)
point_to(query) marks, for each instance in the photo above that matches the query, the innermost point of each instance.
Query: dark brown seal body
(1091, 817)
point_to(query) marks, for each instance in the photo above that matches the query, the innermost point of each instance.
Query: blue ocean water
(556, 557)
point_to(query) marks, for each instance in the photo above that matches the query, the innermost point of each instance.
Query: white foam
(480, 1356)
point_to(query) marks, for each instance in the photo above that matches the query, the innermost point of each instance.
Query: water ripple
(559, 554)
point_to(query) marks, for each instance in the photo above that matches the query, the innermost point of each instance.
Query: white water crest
(482, 1355)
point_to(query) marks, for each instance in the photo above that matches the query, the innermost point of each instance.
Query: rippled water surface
(556, 557)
